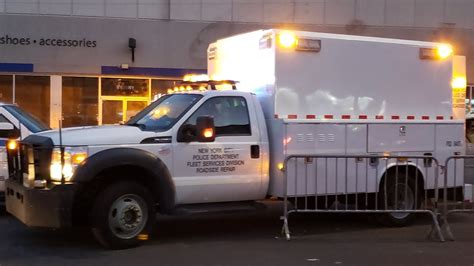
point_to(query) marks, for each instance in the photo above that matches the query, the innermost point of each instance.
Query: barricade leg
(447, 228)
(285, 230)
(435, 228)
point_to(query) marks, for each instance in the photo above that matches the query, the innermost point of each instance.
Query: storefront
(82, 100)
(94, 71)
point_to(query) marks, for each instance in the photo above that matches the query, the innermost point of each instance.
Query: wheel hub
(402, 200)
(128, 216)
(131, 217)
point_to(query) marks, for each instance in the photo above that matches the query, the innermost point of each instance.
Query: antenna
(19, 128)
(61, 148)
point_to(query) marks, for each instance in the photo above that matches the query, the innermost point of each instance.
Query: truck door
(228, 169)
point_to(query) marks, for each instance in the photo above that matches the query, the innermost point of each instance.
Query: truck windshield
(29, 121)
(164, 113)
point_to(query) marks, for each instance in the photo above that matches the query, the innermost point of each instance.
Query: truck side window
(230, 113)
(14, 133)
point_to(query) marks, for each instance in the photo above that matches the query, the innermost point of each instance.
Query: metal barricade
(457, 194)
(396, 185)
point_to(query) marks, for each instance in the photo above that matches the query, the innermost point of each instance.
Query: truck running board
(225, 207)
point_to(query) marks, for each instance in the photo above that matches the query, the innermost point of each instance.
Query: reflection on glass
(80, 101)
(32, 93)
(164, 113)
(112, 112)
(6, 89)
(124, 87)
(133, 107)
(31, 122)
(161, 87)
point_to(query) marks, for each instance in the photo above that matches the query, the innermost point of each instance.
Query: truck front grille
(32, 158)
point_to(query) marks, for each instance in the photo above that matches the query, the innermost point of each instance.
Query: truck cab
(185, 148)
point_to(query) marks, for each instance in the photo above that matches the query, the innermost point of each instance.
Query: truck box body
(339, 95)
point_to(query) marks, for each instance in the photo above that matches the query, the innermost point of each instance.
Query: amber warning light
(289, 40)
(208, 132)
(442, 51)
(12, 145)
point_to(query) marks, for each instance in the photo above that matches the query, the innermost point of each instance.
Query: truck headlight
(72, 157)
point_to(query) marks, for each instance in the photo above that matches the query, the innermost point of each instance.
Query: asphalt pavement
(247, 238)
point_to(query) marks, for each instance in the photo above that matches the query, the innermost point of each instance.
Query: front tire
(122, 215)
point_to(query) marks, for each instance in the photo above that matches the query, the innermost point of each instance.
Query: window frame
(226, 135)
(14, 133)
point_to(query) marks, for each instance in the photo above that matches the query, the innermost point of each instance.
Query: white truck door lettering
(222, 170)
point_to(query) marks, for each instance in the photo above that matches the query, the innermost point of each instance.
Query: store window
(161, 87)
(124, 87)
(32, 93)
(80, 101)
(6, 89)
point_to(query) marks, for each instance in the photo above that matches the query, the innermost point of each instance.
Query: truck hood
(98, 135)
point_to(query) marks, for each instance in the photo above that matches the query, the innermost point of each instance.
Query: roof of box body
(354, 38)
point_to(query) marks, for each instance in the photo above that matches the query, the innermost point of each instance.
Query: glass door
(117, 110)
(112, 112)
(122, 98)
(133, 107)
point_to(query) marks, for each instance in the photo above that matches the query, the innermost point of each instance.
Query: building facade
(72, 59)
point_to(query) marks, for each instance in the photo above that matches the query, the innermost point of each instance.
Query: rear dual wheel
(400, 193)
(122, 215)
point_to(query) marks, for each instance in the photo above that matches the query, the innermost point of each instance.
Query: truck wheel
(400, 194)
(122, 215)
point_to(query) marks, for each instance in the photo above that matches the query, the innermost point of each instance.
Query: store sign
(47, 42)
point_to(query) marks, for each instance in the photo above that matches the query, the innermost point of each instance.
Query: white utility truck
(298, 93)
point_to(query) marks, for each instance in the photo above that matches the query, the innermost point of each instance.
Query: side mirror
(186, 133)
(6, 126)
(206, 131)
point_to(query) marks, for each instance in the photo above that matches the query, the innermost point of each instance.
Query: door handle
(254, 151)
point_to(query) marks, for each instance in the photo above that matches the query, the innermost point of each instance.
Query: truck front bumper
(48, 207)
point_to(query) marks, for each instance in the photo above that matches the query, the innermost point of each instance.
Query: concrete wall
(161, 43)
(405, 13)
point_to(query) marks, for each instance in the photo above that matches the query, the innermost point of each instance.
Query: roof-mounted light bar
(212, 84)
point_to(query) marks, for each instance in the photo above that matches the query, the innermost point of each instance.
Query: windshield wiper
(140, 126)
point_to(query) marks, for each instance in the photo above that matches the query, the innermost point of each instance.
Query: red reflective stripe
(276, 116)
(292, 116)
(328, 116)
(362, 116)
(379, 117)
(346, 117)
(411, 117)
(310, 116)
(425, 117)
(439, 117)
(395, 117)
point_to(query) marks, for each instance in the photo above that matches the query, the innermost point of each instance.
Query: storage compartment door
(401, 137)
